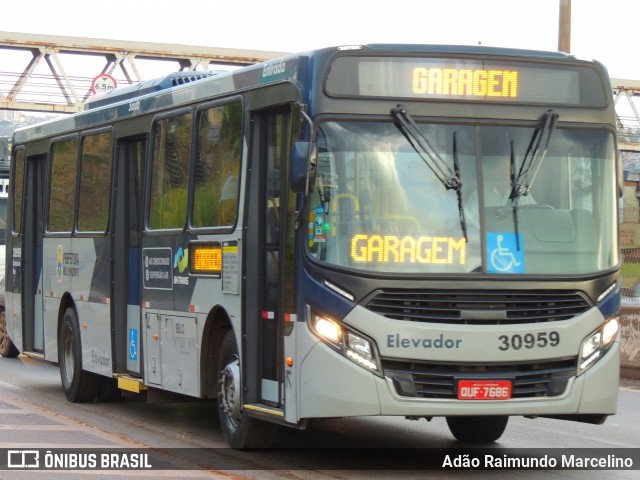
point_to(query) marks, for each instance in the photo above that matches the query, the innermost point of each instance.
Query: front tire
(239, 430)
(7, 348)
(79, 385)
(478, 429)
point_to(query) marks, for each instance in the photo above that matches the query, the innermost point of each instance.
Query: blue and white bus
(403, 230)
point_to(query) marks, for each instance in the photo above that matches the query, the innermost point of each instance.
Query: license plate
(484, 389)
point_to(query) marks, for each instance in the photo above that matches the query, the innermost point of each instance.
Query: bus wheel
(477, 429)
(240, 430)
(78, 385)
(7, 348)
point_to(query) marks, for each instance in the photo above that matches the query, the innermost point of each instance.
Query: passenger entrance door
(125, 316)
(269, 294)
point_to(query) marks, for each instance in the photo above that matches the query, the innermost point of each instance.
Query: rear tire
(239, 430)
(7, 348)
(483, 429)
(79, 385)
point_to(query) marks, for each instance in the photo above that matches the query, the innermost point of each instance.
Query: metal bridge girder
(626, 93)
(54, 86)
(50, 86)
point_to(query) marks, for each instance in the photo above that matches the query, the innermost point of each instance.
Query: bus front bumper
(332, 386)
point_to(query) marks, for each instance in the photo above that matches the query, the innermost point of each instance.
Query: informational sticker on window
(158, 268)
(505, 253)
(230, 267)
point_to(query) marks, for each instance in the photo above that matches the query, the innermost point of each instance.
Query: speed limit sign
(103, 83)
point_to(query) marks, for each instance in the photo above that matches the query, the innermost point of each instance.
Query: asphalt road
(185, 438)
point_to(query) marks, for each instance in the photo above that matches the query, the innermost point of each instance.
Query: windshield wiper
(456, 170)
(514, 200)
(449, 178)
(421, 145)
(533, 158)
(522, 182)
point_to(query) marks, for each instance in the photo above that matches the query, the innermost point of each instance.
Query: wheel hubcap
(67, 356)
(230, 389)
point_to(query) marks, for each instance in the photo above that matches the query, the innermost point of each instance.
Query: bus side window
(63, 185)
(217, 167)
(95, 182)
(170, 172)
(18, 190)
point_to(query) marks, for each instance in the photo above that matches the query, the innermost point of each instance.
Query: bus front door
(270, 251)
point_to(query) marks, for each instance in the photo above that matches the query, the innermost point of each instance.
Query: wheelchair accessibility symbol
(133, 344)
(503, 253)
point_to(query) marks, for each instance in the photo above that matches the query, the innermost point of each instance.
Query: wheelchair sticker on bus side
(503, 254)
(133, 344)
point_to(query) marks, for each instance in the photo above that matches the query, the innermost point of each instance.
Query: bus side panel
(91, 287)
(157, 299)
(13, 279)
(13, 292)
(95, 331)
(54, 284)
(79, 267)
(13, 282)
(179, 353)
(182, 332)
(173, 329)
(157, 272)
(51, 309)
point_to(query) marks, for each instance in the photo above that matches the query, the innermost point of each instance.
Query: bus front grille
(478, 307)
(438, 381)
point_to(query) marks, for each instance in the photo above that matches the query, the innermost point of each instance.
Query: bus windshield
(378, 206)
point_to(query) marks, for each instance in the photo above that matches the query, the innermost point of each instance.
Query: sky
(607, 31)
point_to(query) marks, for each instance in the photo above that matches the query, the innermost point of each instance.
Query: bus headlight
(353, 345)
(596, 344)
(360, 351)
(328, 330)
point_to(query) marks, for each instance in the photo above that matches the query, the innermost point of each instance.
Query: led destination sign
(465, 82)
(477, 79)
(393, 249)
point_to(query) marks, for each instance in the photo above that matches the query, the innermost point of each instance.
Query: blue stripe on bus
(318, 295)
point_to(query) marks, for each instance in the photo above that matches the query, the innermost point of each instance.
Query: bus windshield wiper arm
(536, 152)
(420, 143)
(456, 168)
(514, 199)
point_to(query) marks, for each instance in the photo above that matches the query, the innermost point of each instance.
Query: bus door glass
(33, 230)
(277, 276)
(126, 248)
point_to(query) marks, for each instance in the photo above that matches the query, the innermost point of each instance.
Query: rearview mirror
(303, 166)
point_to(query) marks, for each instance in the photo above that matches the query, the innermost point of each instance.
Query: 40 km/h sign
(103, 83)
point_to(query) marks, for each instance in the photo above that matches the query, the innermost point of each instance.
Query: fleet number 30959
(529, 340)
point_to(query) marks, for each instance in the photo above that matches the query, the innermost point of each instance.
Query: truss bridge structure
(626, 96)
(45, 73)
